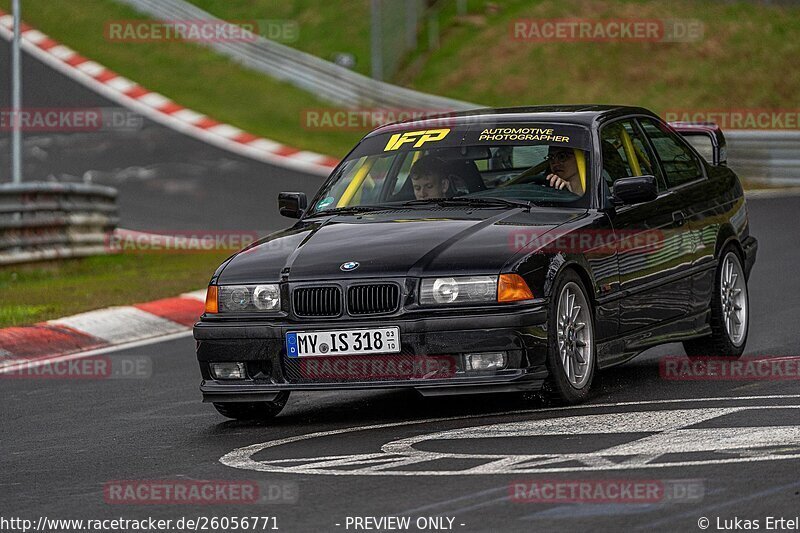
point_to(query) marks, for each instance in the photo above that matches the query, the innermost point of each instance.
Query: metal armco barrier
(40, 221)
(771, 157)
(324, 79)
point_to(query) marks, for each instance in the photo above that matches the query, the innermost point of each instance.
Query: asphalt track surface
(166, 181)
(64, 440)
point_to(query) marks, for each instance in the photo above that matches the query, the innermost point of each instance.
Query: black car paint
(640, 301)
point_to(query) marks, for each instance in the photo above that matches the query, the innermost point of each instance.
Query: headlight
(267, 297)
(249, 298)
(458, 290)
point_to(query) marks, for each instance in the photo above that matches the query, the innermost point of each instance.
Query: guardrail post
(376, 40)
(16, 98)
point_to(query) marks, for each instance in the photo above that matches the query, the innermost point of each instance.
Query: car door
(685, 176)
(654, 245)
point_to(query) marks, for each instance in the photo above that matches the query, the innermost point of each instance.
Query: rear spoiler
(706, 138)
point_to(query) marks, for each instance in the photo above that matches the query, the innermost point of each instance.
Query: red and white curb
(99, 331)
(158, 107)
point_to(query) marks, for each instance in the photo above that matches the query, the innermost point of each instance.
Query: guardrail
(324, 79)
(764, 156)
(771, 157)
(40, 221)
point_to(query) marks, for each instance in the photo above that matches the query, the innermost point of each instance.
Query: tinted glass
(680, 164)
(625, 154)
(540, 163)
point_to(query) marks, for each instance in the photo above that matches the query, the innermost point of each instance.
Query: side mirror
(292, 204)
(635, 190)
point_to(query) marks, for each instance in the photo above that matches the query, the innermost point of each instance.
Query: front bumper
(521, 333)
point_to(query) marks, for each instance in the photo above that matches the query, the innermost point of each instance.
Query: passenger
(564, 170)
(430, 177)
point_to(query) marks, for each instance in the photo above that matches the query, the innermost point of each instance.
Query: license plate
(343, 342)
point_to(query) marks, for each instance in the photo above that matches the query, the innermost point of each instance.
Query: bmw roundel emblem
(350, 265)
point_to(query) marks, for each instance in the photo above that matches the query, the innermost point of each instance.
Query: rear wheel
(253, 410)
(730, 309)
(571, 354)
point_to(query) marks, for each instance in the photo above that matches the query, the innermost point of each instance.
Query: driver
(431, 177)
(564, 170)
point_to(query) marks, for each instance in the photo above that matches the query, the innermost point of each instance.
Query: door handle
(679, 218)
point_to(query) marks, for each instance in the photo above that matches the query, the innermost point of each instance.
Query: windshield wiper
(475, 201)
(351, 209)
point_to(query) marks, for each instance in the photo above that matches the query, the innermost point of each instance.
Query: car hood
(392, 244)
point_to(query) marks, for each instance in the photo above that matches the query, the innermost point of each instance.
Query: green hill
(746, 58)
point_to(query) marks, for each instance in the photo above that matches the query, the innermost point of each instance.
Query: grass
(38, 292)
(745, 59)
(323, 28)
(189, 74)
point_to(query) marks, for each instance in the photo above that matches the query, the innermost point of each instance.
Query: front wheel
(571, 353)
(253, 410)
(729, 312)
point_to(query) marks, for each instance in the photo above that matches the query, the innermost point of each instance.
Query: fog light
(485, 360)
(228, 370)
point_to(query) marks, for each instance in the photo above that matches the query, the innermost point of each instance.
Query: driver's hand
(558, 183)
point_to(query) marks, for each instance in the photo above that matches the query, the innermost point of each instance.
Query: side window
(680, 164)
(625, 153)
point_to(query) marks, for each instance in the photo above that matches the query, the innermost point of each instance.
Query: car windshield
(492, 166)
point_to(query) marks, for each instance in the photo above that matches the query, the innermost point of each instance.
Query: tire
(253, 410)
(571, 354)
(730, 312)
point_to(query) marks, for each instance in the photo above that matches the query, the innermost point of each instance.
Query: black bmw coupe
(495, 250)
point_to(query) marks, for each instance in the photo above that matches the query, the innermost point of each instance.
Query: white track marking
(34, 36)
(669, 422)
(310, 157)
(266, 145)
(187, 115)
(154, 100)
(62, 52)
(196, 295)
(91, 68)
(117, 325)
(225, 130)
(261, 150)
(121, 84)
(14, 365)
